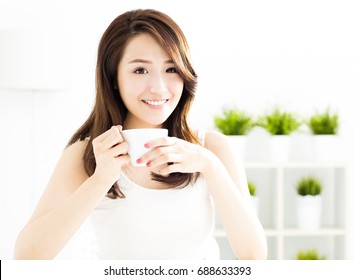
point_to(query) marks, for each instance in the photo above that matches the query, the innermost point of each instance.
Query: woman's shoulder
(71, 160)
(210, 136)
(77, 148)
(70, 169)
(215, 140)
(221, 146)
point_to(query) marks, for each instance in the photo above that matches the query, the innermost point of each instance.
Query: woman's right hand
(111, 153)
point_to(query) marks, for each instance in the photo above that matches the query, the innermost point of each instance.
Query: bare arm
(227, 183)
(71, 196)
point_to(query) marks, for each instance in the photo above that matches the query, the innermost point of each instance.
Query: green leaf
(234, 122)
(324, 123)
(279, 123)
(252, 188)
(309, 185)
(311, 254)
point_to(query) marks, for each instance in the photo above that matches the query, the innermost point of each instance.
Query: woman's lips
(155, 103)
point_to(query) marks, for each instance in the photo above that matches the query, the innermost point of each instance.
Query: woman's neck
(131, 124)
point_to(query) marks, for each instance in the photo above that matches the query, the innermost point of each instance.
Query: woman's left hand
(171, 154)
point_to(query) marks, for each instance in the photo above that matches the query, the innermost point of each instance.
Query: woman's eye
(140, 71)
(172, 70)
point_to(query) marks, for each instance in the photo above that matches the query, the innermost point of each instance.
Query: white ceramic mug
(137, 138)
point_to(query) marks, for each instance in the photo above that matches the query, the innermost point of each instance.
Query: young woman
(164, 210)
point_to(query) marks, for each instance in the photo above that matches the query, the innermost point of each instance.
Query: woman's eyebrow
(140, 60)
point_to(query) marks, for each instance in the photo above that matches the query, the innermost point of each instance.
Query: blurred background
(297, 55)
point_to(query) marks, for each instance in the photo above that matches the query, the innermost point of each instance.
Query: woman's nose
(158, 84)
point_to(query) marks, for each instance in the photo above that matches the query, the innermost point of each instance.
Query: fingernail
(148, 164)
(147, 145)
(120, 127)
(139, 161)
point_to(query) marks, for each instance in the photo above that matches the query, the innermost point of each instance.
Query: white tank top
(176, 223)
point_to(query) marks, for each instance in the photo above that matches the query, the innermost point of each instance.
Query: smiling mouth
(159, 102)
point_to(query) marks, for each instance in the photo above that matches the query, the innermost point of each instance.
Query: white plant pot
(255, 201)
(301, 148)
(309, 210)
(326, 148)
(257, 145)
(279, 146)
(238, 144)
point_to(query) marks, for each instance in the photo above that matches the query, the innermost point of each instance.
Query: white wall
(253, 54)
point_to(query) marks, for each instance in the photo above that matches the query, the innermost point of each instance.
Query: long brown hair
(109, 108)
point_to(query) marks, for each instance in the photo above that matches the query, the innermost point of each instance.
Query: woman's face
(148, 82)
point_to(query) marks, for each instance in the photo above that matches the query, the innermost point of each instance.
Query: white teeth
(156, 102)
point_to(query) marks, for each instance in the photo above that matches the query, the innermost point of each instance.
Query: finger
(157, 152)
(119, 161)
(171, 168)
(120, 149)
(102, 136)
(163, 141)
(123, 159)
(113, 138)
(165, 159)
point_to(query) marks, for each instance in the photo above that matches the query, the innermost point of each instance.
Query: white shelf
(276, 185)
(320, 232)
(262, 165)
(293, 232)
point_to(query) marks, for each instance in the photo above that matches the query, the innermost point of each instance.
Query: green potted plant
(325, 123)
(324, 127)
(280, 124)
(310, 254)
(235, 124)
(309, 202)
(255, 199)
(252, 188)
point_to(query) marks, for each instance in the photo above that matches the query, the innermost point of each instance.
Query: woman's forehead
(144, 47)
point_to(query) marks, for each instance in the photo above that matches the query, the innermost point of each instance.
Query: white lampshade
(33, 59)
